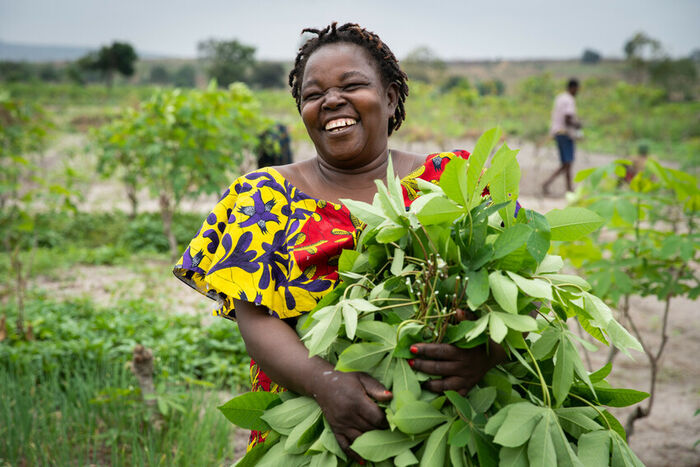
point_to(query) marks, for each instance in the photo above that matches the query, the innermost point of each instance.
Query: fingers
(374, 388)
(461, 385)
(438, 367)
(344, 442)
(436, 351)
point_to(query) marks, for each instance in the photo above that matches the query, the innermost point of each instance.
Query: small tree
(590, 57)
(24, 191)
(422, 63)
(119, 57)
(180, 144)
(185, 77)
(648, 249)
(268, 75)
(159, 75)
(227, 61)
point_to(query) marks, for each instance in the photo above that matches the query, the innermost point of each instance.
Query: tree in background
(25, 189)
(227, 61)
(119, 57)
(268, 75)
(185, 77)
(159, 75)
(639, 50)
(421, 63)
(590, 57)
(491, 87)
(180, 144)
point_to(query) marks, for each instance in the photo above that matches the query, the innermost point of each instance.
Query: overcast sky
(453, 29)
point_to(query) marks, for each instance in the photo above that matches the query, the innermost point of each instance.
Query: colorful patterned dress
(269, 243)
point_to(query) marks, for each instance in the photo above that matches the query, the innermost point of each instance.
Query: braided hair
(384, 58)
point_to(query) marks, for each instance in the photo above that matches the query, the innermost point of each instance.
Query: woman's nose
(333, 99)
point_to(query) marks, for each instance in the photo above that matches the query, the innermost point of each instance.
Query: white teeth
(340, 123)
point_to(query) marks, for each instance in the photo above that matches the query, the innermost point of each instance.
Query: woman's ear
(392, 94)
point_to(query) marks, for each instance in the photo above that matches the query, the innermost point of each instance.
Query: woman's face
(345, 106)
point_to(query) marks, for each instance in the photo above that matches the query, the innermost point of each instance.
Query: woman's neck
(353, 177)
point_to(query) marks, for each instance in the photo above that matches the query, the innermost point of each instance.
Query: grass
(95, 415)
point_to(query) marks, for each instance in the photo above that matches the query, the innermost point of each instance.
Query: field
(98, 281)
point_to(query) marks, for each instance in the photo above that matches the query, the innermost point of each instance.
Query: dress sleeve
(242, 249)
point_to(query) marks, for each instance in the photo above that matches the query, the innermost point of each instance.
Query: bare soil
(666, 438)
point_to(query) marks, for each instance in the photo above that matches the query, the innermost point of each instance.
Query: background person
(269, 249)
(565, 128)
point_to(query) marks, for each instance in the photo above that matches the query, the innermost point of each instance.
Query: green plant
(412, 273)
(180, 144)
(649, 247)
(25, 188)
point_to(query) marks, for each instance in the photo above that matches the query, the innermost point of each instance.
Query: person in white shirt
(565, 128)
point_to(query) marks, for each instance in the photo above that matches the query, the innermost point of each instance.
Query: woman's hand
(460, 369)
(348, 403)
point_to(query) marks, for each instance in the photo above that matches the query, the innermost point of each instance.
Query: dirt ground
(665, 438)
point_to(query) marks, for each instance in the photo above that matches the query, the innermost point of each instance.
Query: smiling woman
(269, 250)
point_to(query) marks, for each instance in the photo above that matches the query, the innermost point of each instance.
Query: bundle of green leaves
(411, 272)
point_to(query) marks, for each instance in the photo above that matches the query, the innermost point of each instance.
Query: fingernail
(388, 393)
(413, 349)
(361, 462)
(411, 362)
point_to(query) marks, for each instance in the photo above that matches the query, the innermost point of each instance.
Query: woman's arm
(345, 398)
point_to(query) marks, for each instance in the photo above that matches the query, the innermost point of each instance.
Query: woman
(268, 251)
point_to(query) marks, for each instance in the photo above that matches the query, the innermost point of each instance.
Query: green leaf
(287, 415)
(324, 459)
(572, 223)
(349, 320)
(329, 441)
(391, 233)
(566, 457)
(323, 334)
(497, 328)
(482, 150)
(416, 417)
(513, 457)
(435, 209)
(246, 410)
(457, 456)
(453, 181)
(563, 372)
(504, 158)
(377, 445)
(518, 424)
(367, 213)
(397, 262)
(594, 448)
(460, 433)
(435, 447)
(533, 287)
(601, 374)
(506, 187)
(550, 264)
(460, 403)
(578, 420)
(540, 449)
(404, 379)
(304, 433)
(544, 345)
(477, 287)
(482, 398)
(511, 239)
(522, 323)
(377, 331)
(504, 291)
(405, 458)
(611, 397)
(622, 455)
(253, 456)
(361, 357)
(389, 207)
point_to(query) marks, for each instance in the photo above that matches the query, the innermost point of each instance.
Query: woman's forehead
(347, 58)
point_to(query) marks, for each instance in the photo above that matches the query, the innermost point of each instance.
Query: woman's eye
(311, 97)
(353, 86)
